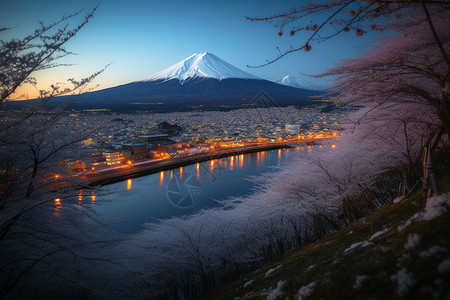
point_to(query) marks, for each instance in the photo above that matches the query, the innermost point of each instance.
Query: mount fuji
(201, 81)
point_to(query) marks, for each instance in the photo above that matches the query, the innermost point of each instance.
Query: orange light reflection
(57, 206)
(129, 183)
(161, 177)
(80, 196)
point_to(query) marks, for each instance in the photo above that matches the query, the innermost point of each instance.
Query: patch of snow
(350, 232)
(434, 207)
(277, 292)
(203, 65)
(270, 271)
(305, 291)
(248, 283)
(398, 199)
(433, 250)
(404, 281)
(311, 267)
(357, 244)
(359, 280)
(413, 240)
(296, 82)
(444, 266)
(378, 233)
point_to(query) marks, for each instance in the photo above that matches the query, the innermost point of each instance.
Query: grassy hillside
(398, 252)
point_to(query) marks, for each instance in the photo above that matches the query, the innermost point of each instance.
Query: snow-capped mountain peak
(295, 82)
(205, 65)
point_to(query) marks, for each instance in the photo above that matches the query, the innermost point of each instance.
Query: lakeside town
(118, 138)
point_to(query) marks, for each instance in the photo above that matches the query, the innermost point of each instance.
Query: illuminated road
(140, 168)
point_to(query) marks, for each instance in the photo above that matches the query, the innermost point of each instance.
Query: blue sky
(142, 37)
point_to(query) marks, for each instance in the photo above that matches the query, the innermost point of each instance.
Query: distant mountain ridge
(201, 81)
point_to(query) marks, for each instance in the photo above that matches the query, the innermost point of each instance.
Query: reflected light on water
(129, 182)
(80, 196)
(93, 197)
(279, 155)
(231, 163)
(181, 172)
(57, 202)
(161, 177)
(263, 156)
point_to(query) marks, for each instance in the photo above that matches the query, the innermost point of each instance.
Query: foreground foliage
(377, 257)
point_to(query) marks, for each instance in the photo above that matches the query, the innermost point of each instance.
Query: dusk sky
(141, 37)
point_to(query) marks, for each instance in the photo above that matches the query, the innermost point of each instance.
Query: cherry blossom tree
(406, 74)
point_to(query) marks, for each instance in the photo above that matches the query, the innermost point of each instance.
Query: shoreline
(129, 172)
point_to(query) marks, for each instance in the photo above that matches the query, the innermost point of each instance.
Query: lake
(182, 191)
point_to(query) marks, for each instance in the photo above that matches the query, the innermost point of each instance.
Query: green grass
(335, 272)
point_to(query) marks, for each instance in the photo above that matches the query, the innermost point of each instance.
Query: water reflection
(58, 205)
(80, 197)
(197, 186)
(161, 177)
